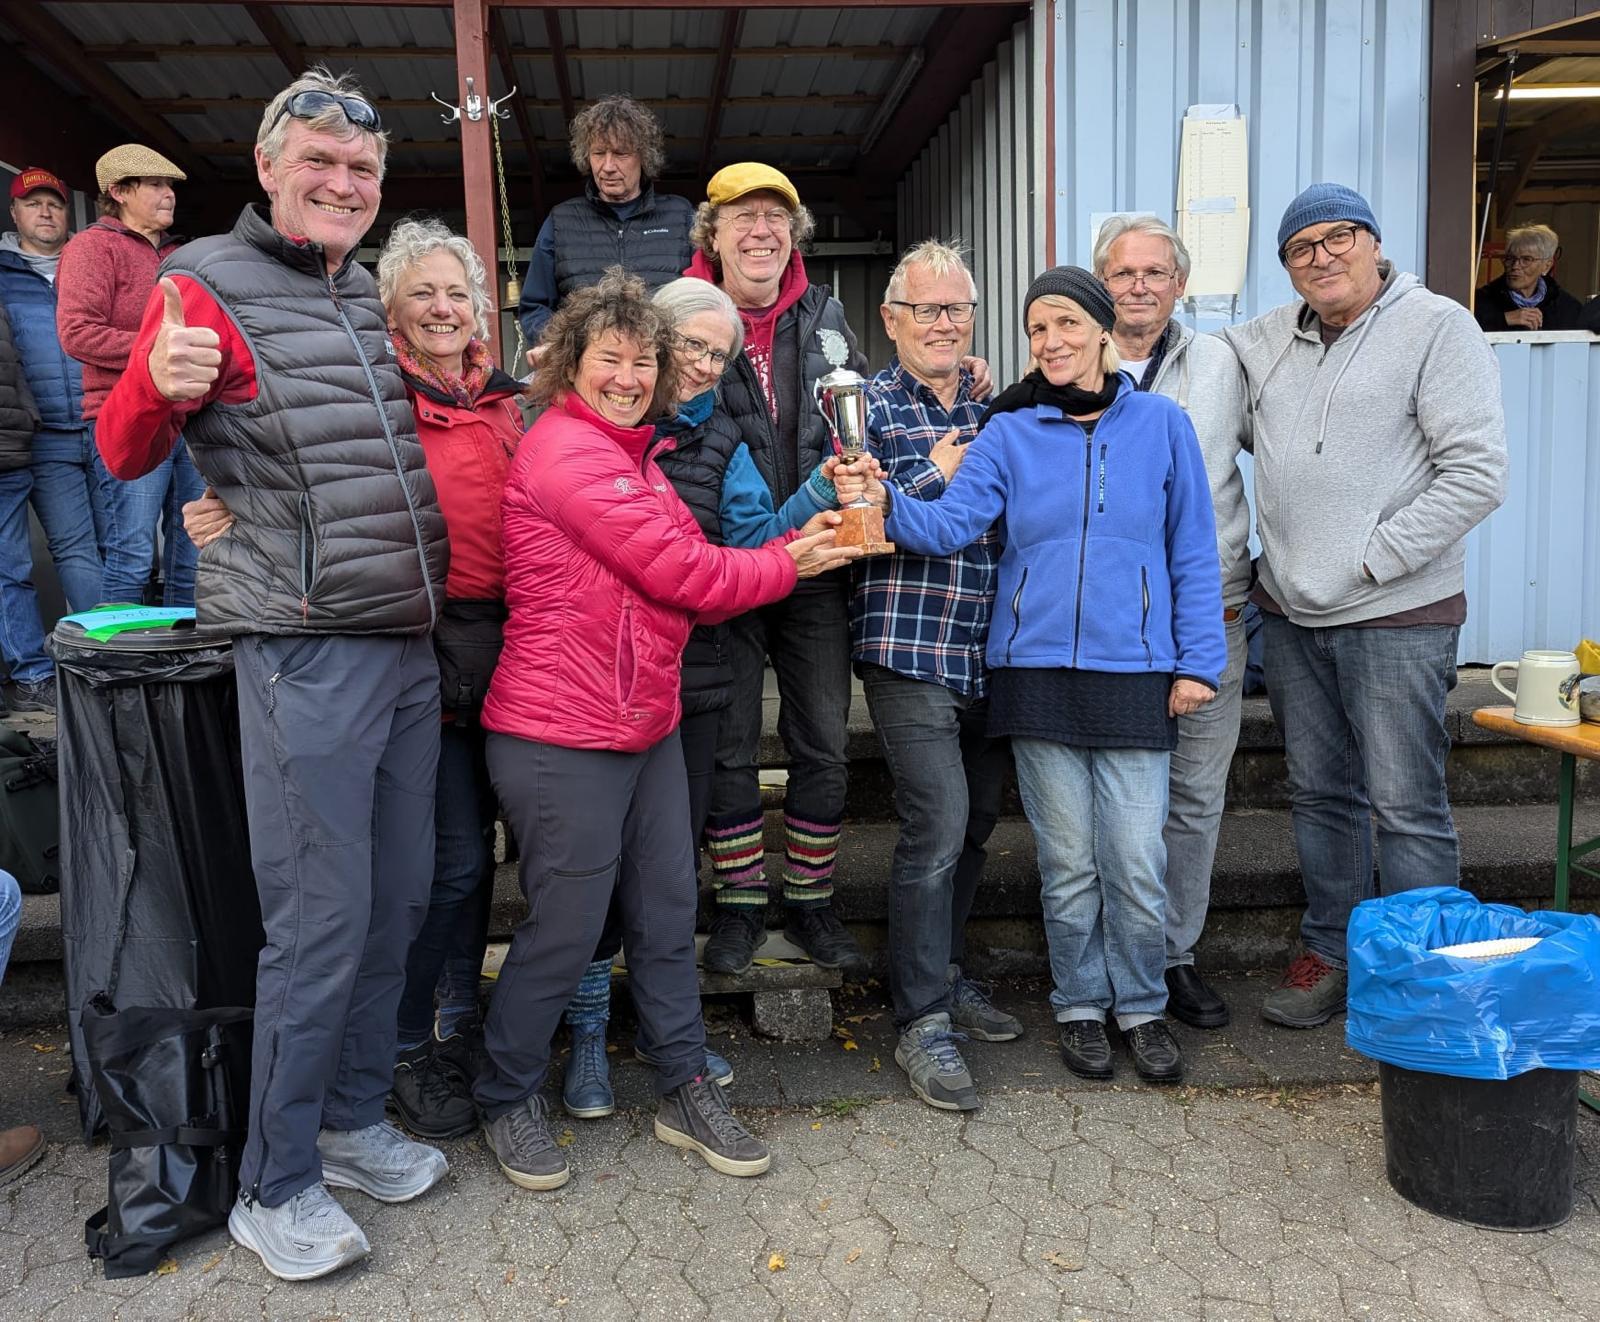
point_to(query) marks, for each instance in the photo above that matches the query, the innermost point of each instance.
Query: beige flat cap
(131, 161)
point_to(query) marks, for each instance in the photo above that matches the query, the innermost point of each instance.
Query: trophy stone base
(863, 527)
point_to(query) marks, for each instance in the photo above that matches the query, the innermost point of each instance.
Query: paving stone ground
(1051, 1203)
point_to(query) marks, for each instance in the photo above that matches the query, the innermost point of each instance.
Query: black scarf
(1034, 389)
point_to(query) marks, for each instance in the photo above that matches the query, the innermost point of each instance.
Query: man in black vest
(619, 221)
(267, 348)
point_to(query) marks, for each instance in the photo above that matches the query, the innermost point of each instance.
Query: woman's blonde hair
(619, 304)
(1110, 359)
(414, 238)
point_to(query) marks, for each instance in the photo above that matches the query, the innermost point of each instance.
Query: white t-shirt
(1135, 369)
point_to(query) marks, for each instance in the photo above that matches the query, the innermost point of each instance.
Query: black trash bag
(175, 1089)
(158, 899)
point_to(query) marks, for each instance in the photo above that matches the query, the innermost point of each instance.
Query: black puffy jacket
(338, 528)
(19, 416)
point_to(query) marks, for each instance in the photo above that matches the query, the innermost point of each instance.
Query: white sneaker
(306, 1237)
(380, 1161)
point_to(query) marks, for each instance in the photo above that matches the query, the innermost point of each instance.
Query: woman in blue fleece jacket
(1107, 626)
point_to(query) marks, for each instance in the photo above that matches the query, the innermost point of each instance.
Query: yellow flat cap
(734, 181)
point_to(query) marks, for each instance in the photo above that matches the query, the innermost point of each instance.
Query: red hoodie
(760, 327)
(606, 573)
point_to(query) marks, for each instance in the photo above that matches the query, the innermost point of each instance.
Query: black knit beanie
(1077, 284)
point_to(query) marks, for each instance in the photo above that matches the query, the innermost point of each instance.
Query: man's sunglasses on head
(314, 104)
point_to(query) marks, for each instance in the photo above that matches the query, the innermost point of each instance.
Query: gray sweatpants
(340, 741)
(590, 823)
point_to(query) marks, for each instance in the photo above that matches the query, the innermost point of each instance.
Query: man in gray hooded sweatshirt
(1379, 441)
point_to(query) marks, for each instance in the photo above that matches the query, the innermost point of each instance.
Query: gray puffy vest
(652, 244)
(338, 525)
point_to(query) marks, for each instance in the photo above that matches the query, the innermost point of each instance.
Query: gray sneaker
(1310, 993)
(927, 1053)
(521, 1142)
(306, 1237)
(380, 1161)
(972, 1012)
(696, 1116)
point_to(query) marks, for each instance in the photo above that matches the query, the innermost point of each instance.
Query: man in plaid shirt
(918, 628)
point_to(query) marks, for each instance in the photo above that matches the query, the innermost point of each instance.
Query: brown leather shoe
(19, 1149)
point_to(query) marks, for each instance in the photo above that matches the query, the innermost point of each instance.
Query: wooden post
(477, 148)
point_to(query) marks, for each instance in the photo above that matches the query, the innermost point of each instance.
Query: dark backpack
(30, 833)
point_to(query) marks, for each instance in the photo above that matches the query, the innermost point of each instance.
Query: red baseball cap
(33, 179)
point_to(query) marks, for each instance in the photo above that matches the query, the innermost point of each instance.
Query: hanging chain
(505, 238)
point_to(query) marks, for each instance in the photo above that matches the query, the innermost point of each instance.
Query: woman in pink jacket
(606, 574)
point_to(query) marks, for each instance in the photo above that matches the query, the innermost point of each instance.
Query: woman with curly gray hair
(620, 220)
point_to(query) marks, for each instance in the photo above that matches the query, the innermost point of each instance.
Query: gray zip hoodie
(1382, 450)
(1202, 375)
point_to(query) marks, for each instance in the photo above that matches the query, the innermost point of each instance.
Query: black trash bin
(1495, 1153)
(158, 900)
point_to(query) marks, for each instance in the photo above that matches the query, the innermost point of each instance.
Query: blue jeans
(1198, 786)
(464, 810)
(21, 631)
(1097, 815)
(1362, 715)
(947, 779)
(10, 917)
(70, 500)
(133, 511)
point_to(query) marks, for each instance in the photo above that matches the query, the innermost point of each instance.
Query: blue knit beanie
(1321, 203)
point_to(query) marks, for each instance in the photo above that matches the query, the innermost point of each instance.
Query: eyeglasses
(696, 351)
(1522, 259)
(742, 222)
(312, 104)
(1119, 282)
(1335, 243)
(926, 314)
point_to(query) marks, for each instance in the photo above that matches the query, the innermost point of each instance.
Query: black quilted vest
(652, 244)
(338, 525)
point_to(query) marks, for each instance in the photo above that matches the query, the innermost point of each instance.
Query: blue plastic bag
(1472, 1018)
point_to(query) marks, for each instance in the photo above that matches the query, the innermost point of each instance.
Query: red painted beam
(477, 150)
(605, 4)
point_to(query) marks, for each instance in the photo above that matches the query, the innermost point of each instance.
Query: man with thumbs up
(267, 347)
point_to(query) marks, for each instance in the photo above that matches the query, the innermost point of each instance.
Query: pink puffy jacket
(606, 573)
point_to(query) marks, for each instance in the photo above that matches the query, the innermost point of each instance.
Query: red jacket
(106, 276)
(606, 573)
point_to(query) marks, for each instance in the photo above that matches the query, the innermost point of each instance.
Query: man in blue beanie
(1379, 444)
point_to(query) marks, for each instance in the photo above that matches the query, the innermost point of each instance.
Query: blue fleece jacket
(746, 511)
(1110, 559)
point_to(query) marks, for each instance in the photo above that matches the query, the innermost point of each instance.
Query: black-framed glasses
(926, 314)
(1336, 242)
(313, 104)
(699, 351)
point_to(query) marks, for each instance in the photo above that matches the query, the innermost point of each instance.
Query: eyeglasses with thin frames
(1336, 242)
(1522, 259)
(697, 351)
(742, 222)
(1119, 282)
(925, 314)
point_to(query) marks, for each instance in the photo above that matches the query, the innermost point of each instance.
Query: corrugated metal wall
(981, 179)
(1330, 90)
(1533, 567)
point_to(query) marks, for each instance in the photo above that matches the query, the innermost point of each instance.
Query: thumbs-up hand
(184, 360)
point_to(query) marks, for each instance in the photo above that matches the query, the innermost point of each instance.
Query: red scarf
(477, 362)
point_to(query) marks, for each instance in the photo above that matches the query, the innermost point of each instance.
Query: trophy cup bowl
(841, 398)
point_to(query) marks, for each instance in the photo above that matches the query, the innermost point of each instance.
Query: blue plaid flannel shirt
(925, 617)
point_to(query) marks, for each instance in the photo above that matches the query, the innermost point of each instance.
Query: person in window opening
(1525, 296)
(1107, 628)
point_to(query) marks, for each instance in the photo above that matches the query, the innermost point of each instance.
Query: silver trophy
(841, 398)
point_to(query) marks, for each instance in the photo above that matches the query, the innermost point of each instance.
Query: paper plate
(1507, 945)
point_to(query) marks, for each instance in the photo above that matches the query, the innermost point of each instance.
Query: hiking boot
(717, 1069)
(432, 1098)
(1085, 1048)
(380, 1161)
(972, 1012)
(39, 696)
(1155, 1052)
(19, 1149)
(816, 929)
(462, 1050)
(1310, 992)
(737, 931)
(306, 1237)
(696, 1116)
(927, 1053)
(1190, 1000)
(521, 1142)
(586, 1091)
